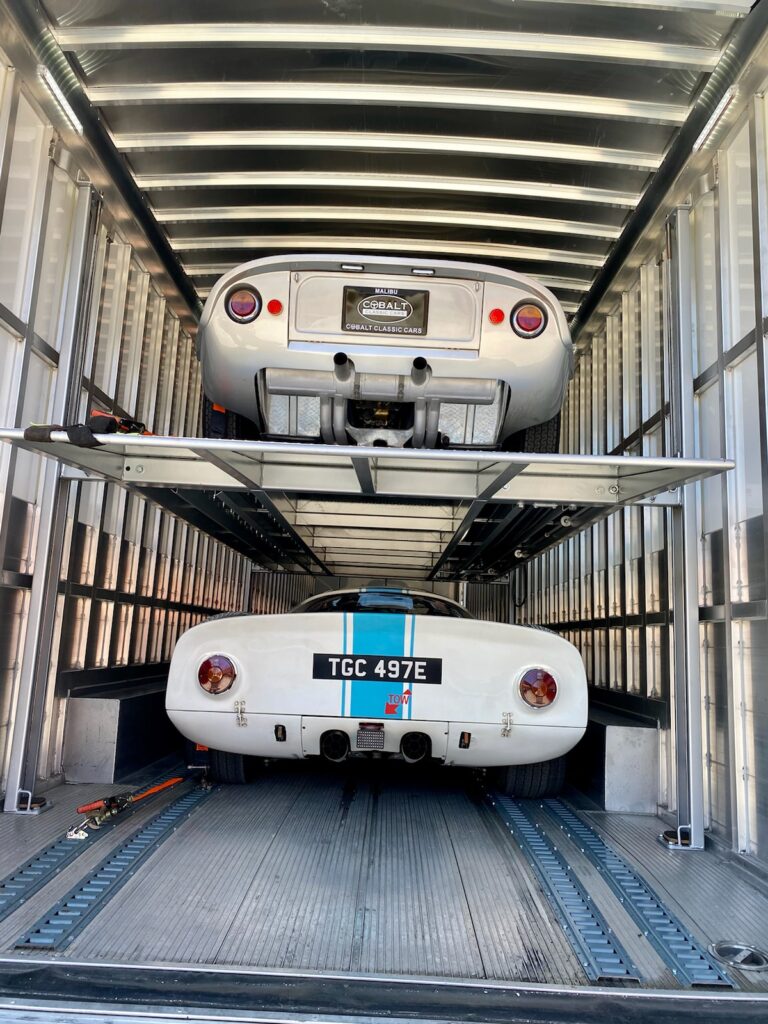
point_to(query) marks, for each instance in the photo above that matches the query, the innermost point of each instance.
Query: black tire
(232, 769)
(533, 781)
(226, 425)
(543, 438)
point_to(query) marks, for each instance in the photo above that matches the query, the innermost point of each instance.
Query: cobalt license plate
(377, 668)
(385, 311)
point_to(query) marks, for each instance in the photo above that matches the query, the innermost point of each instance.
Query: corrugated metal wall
(133, 577)
(490, 601)
(608, 590)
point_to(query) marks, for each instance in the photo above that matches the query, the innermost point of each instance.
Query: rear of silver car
(417, 353)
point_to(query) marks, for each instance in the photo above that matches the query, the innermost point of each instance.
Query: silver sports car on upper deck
(382, 351)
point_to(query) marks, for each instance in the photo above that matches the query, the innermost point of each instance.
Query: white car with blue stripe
(380, 672)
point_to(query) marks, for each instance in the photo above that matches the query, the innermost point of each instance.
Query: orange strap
(158, 789)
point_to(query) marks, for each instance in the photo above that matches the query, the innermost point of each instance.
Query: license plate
(385, 311)
(375, 668)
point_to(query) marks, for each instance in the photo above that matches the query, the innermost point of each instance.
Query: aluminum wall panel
(621, 615)
(132, 577)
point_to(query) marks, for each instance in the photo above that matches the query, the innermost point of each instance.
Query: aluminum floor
(371, 871)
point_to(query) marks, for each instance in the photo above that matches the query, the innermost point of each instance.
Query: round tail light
(528, 319)
(538, 688)
(216, 674)
(243, 305)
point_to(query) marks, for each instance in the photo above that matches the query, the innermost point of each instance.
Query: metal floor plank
(25, 916)
(416, 917)
(180, 907)
(517, 933)
(300, 910)
(706, 891)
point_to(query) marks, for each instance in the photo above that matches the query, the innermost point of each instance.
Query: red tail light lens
(538, 688)
(216, 674)
(243, 305)
(497, 316)
(528, 319)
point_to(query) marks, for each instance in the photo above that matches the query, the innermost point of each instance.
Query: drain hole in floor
(739, 955)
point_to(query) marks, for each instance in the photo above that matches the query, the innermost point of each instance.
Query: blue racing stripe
(384, 635)
(344, 651)
(410, 653)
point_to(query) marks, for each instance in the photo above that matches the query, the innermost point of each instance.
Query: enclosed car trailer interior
(615, 154)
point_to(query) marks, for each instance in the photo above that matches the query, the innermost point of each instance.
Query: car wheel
(224, 424)
(533, 781)
(543, 438)
(232, 769)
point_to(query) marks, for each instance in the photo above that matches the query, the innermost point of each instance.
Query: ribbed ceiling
(520, 134)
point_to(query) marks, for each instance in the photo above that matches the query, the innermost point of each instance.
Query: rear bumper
(488, 748)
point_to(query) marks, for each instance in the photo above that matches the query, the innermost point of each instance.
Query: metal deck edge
(291, 995)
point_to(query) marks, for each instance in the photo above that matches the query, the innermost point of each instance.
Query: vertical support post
(686, 678)
(42, 602)
(758, 149)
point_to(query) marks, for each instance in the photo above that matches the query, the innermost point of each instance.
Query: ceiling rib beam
(300, 243)
(387, 215)
(512, 149)
(417, 182)
(357, 93)
(397, 38)
(570, 284)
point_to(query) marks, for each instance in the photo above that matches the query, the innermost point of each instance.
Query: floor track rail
(30, 877)
(687, 960)
(598, 950)
(58, 926)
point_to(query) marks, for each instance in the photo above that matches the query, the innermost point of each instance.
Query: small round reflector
(243, 305)
(496, 316)
(275, 307)
(538, 688)
(216, 674)
(528, 320)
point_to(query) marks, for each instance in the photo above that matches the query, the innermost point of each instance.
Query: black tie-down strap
(77, 433)
(83, 434)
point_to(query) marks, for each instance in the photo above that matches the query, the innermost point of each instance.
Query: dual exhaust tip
(344, 368)
(414, 746)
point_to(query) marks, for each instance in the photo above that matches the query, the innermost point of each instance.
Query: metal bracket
(28, 808)
(240, 713)
(667, 499)
(682, 842)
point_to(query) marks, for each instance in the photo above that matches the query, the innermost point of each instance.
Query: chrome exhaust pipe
(420, 371)
(343, 367)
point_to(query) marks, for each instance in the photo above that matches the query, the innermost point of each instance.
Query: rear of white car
(381, 350)
(341, 684)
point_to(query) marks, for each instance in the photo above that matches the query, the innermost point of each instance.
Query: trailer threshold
(49, 987)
